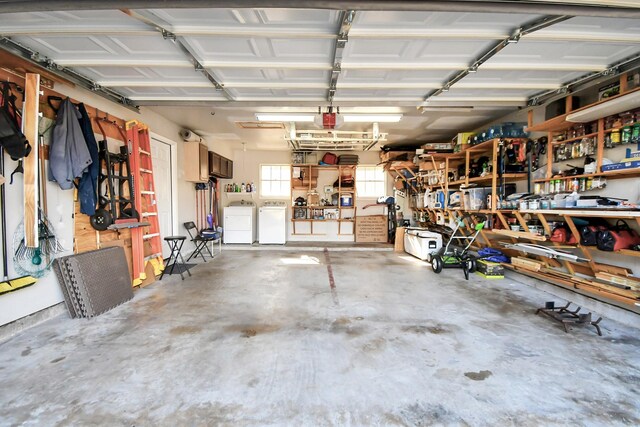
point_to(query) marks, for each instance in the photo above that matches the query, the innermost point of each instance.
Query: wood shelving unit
(580, 277)
(345, 213)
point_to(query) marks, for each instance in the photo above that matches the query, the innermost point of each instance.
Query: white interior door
(161, 158)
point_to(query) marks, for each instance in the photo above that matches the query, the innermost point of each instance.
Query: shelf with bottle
(574, 139)
(620, 173)
(577, 183)
(234, 188)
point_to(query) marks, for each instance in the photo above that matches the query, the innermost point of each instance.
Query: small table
(175, 244)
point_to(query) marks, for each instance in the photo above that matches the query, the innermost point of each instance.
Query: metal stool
(175, 244)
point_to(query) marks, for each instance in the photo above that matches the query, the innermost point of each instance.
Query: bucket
(346, 200)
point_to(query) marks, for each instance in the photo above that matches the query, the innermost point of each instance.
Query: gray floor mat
(95, 281)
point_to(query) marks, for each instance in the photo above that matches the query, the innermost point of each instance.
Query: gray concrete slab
(262, 338)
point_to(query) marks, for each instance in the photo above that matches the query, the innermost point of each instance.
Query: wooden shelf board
(582, 212)
(622, 173)
(577, 138)
(627, 252)
(620, 127)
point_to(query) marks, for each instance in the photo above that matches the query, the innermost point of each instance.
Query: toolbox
(421, 243)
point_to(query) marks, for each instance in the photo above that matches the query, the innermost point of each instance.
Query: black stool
(175, 244)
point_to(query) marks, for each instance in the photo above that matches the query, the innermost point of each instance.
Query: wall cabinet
(220, 166)
(196, 162)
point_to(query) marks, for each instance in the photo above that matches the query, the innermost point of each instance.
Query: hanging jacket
(88, 183)
(69, 156)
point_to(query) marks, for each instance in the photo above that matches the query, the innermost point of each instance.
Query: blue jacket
(88, 183)
(69, 156)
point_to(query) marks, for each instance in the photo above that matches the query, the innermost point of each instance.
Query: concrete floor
(261, 338)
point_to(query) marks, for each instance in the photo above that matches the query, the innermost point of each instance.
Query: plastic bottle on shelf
(253, 187)
(243, 188)
(575, 185)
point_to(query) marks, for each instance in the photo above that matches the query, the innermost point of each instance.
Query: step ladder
(145, 203)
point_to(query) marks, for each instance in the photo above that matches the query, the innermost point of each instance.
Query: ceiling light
(368, 118)
(284, 117)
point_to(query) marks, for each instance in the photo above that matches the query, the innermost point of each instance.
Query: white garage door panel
(248, 17)
(142, 74)
(524, 76)
(561, 53)
(98, 20)
(440, 20)
(131, 48)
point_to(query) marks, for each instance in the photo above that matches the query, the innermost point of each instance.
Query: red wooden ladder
(144, 239)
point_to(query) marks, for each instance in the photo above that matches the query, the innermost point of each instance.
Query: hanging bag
(11, 137)
(621, 236)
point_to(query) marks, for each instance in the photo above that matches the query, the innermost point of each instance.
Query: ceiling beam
(613, 9)
(346, 20)
(534, 26)
(181, 44)
(65, 73)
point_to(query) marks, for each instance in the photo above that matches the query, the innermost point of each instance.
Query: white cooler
(421, 243)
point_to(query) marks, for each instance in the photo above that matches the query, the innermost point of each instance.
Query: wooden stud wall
(86, 238)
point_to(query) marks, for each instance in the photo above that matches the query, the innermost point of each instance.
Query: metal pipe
(496, 6)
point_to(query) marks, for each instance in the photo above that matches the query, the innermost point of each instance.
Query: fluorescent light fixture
(371, 118)
(284, 117)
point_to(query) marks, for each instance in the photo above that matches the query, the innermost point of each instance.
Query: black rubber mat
(94, 282)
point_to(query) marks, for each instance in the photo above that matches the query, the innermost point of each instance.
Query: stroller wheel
(436, 263)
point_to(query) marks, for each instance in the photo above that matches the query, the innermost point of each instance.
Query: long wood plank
(30, 111)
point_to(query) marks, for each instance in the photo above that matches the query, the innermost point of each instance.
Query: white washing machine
(272, 229)
(239, 222)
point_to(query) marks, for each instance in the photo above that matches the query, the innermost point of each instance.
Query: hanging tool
(36, 261)
(139, 145)
(21, 282)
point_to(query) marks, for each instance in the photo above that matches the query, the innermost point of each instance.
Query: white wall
(246, 168)
(46, 292)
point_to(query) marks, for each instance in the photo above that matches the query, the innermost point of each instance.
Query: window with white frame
(370, 181)
(275, 180)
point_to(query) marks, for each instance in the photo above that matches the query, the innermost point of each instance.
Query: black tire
(101, 220)
(472, 265)
(436, 263)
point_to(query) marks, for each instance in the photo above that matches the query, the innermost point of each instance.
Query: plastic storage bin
(476, 198)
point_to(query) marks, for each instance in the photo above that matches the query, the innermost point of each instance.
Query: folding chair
(200, 240)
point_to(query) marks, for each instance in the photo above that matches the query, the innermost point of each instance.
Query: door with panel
(161, 157)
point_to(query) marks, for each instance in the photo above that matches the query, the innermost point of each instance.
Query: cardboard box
(371, 229)
(399, 243)
(488, 268)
